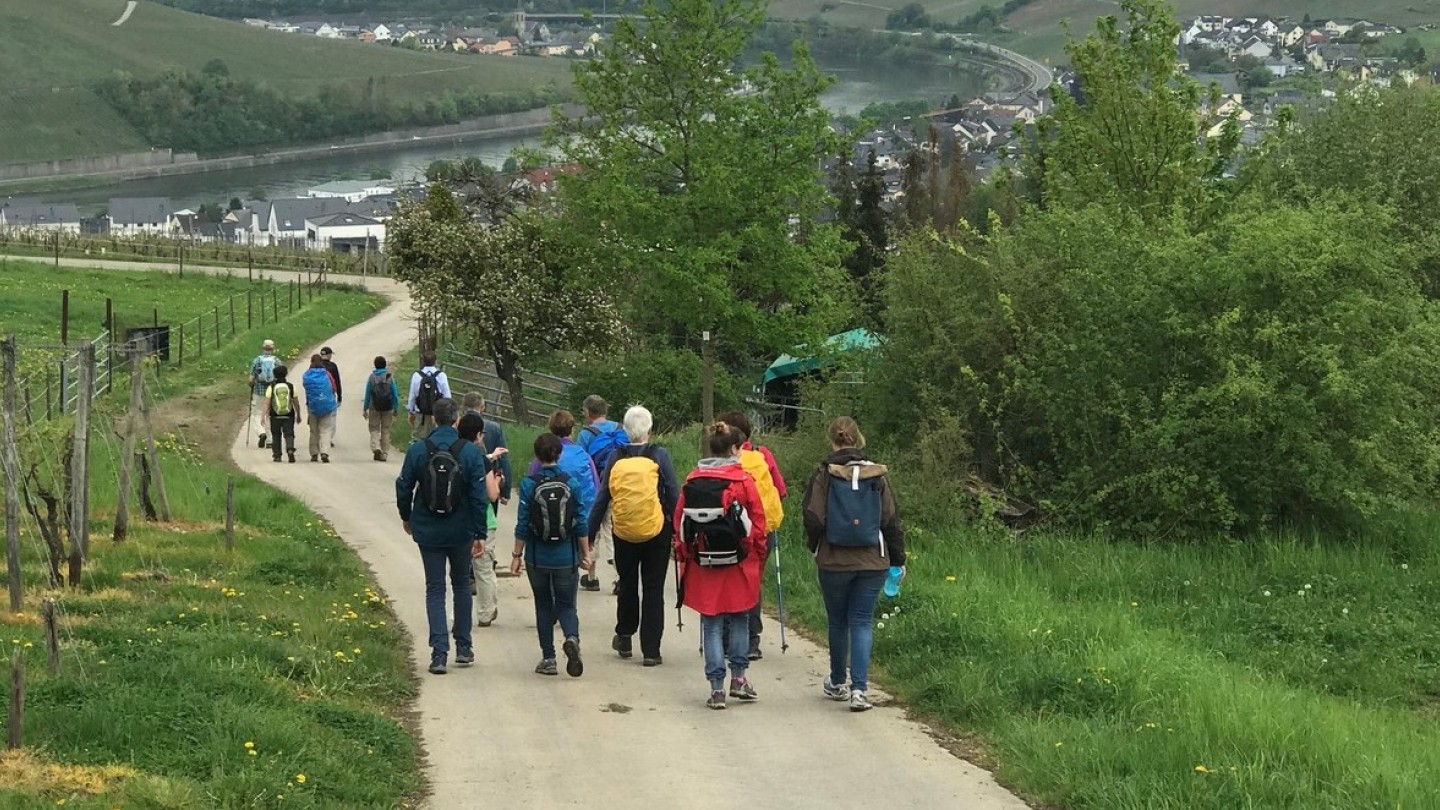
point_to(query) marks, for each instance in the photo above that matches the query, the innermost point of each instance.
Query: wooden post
(180, 362)
(707, 403)
(181, 253)
(200, 336)
(249, 308)
(262, 308)
(12, 478)
(110, 346)
(52, 637)
(80, 467)
(229, 513)
(154, 455)
(217, 327)
(275, 302)
(127, 454)
(16, 722)
(232, 316)
(57, 248)
(250, 265)
(65, 316)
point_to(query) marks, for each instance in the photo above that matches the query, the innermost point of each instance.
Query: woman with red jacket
(719, 549)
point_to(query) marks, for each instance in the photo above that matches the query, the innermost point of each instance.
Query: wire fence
(52, 244)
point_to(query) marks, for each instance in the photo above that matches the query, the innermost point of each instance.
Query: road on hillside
(621, 736)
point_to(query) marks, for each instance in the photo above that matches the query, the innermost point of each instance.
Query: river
(856, 85)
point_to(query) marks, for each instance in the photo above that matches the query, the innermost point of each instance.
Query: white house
(352, 190)
(344, 233)
(1256, 47)
(32, 215)
(1292, 35)
(286, 223)
(140, 216)
(383, 33)
(327, 31)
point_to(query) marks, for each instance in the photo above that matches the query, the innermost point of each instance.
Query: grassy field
(1037, 27)
(55, 52)
(192, 677)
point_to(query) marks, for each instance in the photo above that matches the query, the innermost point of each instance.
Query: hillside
(1037, 26)
(55, 53)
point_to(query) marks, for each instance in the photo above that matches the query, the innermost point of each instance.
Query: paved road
(622, 736)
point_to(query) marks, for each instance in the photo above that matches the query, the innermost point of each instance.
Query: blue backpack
(602, 448)
(853, 504)
(319, 392)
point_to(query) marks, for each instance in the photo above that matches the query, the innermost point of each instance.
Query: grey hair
(595, 406)
(473, 402)
(445, 410)
(638, 423)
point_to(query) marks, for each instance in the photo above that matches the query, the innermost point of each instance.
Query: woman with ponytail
(720, 548)
(852, 526)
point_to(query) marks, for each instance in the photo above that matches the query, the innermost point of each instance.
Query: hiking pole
(249, 411)
(780, 598)
(679, 596)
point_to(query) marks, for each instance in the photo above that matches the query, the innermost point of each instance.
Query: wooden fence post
(12, 479)
(52, 636)
(229, 513)
(16, 722)
(80, 467)
(217, 327)
(180, 362)
(232, 316)
(110, 346)
(127, 453)
(249, 308)
(153, 454)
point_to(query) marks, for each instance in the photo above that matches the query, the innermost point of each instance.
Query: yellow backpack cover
(635, 497)
(753, 462)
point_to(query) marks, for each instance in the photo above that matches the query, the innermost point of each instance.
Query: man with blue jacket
(442, 506)
(382, 398)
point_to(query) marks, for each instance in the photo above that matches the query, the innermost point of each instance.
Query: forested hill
(61, 62)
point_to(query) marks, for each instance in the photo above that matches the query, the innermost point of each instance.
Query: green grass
(56, 52)
(1287, 673)
(175, 653)
(1036, 28)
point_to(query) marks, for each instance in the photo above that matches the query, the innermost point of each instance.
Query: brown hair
(547, 448)
(739, 421)
(316, 361)
(844, 433)
(562, 423)
(721, 439)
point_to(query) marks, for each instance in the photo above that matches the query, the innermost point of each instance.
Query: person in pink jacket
(719, 551)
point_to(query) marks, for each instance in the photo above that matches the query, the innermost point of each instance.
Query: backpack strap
(591, 429)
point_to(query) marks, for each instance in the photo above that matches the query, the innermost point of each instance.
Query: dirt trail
(622, 736)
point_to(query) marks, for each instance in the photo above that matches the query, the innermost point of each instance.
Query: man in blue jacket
(450, 535)
(382, 398)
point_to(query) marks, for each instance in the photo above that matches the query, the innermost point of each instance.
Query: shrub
(667, 381)
(1277, 368)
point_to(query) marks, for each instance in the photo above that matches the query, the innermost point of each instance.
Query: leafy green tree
(871, 233)
(705, 181)
(520, 288)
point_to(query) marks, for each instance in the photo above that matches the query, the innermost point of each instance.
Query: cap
(269, 344)
(326, 351)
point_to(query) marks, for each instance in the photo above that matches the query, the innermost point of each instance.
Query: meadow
(192, 677)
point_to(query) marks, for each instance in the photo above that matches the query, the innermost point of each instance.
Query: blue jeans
(735, 628)
(850, 598)
(554, 590)
(435, 558)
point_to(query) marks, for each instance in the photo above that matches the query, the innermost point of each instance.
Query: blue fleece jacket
(468, 522)
(550, 555)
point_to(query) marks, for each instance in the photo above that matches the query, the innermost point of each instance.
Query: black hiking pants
(282, 427)
(642, 567)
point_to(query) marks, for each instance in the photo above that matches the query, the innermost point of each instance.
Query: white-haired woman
(639, 491)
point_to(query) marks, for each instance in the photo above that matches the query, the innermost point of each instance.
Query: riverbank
(74, 174)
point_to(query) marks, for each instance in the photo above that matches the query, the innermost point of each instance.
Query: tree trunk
(147, 503)
(507, 368)
(49, 524)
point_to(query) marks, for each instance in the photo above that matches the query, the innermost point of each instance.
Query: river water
(856, 85)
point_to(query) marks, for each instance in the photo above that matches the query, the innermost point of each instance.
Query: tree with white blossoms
(519, 288)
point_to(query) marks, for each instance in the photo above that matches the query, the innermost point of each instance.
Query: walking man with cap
(262, 374)
(327, 358)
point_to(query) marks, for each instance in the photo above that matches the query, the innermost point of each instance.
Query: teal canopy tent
(787, 365)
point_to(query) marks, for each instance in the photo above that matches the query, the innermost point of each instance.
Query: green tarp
(787, 365)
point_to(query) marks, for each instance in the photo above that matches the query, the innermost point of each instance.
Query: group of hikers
(610, 484)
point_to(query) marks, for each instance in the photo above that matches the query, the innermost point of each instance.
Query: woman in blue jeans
(852, 526)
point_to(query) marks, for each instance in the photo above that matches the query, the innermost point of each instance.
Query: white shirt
(441, 383)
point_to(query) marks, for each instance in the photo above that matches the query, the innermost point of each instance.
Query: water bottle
(892, 582)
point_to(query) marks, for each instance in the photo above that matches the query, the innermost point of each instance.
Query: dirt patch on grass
(22, 770)
(204, 419)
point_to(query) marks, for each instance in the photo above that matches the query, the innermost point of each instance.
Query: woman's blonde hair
(844, 433)
(721, 439)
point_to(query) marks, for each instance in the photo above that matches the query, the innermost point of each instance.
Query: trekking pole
(249, 411)
(780, 598)
(679, 597)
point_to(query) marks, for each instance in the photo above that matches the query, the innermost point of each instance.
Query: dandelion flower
(252, 752)
(249, 745)
(949, 577)
(885, 615)
(1307, 586)
(1267, 593)
(1060, 744)
(1404, 566)
(1134, 604)
(1345, 611)
(880, 626)
(1201, 769)
(300, 777)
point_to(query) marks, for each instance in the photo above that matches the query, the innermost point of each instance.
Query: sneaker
(325, 458)
(292, 457)
(615, 589)
(378, 456)
(717, 699)
(621, 644)
(755, 654)
(841, 692)
(653, 661)
(262, 441)
(276, 459)
(574, 667)
(494, 614)
(314, 459)
(590, 583)
(437, 664)
(465, 657)
(860, 703)
(741, 688)
(546, 667)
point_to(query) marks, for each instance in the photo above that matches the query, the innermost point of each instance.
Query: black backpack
(382, 392)
(552, 510)
(429, 392)
(715, 524)
(442, 487)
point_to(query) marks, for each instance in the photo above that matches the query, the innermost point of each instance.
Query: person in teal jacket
(552, 565)
(382, 400)
(445, 539)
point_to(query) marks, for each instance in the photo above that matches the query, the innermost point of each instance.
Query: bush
(667, 381)
(1278, 368)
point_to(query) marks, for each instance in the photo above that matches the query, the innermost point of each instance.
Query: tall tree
(870, 228)
(916, 206)
(704, 180)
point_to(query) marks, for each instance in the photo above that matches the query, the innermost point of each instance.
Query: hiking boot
(755, 654)
(292, 456)
(590, 583)
(621, 644)
(437, 664)
(841, 692)
(652, 661)
(860, 703)
(275, 459)
(615, 589)
(574, 667)
(494, 614)
(546, 667)
(465, 657)
(717, 699)
(379, 456)
(314, 459)
(262, 441)
(325, 458)
(741, 688)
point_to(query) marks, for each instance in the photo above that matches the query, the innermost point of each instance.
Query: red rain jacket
(732, 588)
